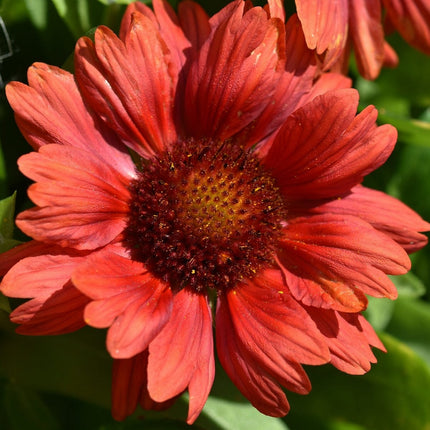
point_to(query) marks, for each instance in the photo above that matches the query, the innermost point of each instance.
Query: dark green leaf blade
(393, 395)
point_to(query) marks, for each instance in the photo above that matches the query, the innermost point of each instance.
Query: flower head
(334, 27)
(189, 175)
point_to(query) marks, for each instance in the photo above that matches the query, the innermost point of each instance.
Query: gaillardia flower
(187, 176)
(334, 27)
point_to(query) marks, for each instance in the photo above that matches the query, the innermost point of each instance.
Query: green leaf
(226, 408)
(152, 424)
(409, 285)
(411, 324)
(7, 244)
(227, 414)
(4, 303)
(12, 10)
(110, 2)
(24, 409)
(410, 182)
(38, 11)
(411, 131)
(7, 210)
(408, 81)
(340, 425)
(75, 13)
(75, 364)
(393, 395)
(80, 15)
(379, 312)
(2, 174)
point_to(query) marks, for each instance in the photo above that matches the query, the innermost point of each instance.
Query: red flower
(333, 27)
(185, 170)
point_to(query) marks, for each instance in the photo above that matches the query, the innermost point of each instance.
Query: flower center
(204, 215)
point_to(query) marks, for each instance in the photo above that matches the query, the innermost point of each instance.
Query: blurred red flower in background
(333, 27)
(190, 171)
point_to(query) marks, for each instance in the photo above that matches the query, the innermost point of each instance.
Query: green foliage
(411, 323)
(24, 409)
(241, 416)
(38, 11)
(393, 395)
(3, 175)
(409, 285)
(110, 2)
(77, 14)
(7, 210)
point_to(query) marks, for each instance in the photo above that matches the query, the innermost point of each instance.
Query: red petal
(28, 249)
(325, 24)
(83, 202)
(166, 22)
(390, 57)
(412, 20)
(325, 83)
(369, 333)
(347, 340)
(127, 298)
(293, 84)
(236, 73)
(323, 149)
(367, 36)
(258, 386)
(262, 336)
(330, 261)
(128, 378)
(276, 9)
(51, 110)
(57, 307)
(181, 355)
(61, 312)
(130, 84)
(128, 17)
(171, 31)
(129, 386)
(383, 212)
(41, 275)
(194, 22)
(140, 321)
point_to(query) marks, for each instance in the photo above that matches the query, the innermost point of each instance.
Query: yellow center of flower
(204, 215)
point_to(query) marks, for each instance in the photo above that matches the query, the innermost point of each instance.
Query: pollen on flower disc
(203, 215)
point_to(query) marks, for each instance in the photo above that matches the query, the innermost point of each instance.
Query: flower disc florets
(204, 215)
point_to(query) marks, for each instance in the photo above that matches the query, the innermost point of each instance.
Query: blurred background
(54, 383)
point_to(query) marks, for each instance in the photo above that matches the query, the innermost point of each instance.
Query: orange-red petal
(82, 202)
(367, 36)
(238, 67)
(51, 110)
(293, 85)
(126, 298)
(129, 387)
(57, 307)
(411, 18)
(323, 149)
(325, 24)
(181, 356)
(385, 213)
(349, 337)
(329, 261)
(130, 84)
(263, 335)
